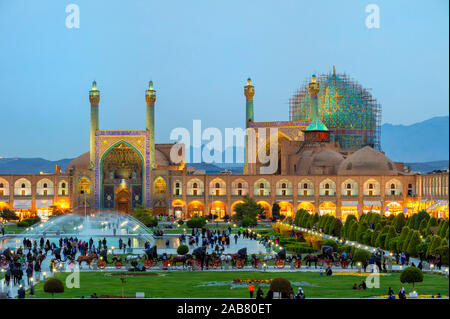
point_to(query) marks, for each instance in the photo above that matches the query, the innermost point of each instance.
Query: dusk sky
(199, 54)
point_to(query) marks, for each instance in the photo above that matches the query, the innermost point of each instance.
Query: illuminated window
(45, 192)
(217, 192)
(63, 192)
(239, 192)
(84, 186)
(160, 186)
(1, 192)
(370, 193)
(23, 193)
(194, 192)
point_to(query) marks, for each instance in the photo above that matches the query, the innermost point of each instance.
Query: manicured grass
(13, 229)
(185, 285)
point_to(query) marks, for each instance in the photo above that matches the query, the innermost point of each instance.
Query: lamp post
(85, 216)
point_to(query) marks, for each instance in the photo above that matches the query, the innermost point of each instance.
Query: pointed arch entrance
(122, 178)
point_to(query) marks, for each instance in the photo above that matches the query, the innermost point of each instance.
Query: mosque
(329, 161)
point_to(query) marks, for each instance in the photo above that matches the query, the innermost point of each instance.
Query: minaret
(249, 92)
(150, 97)
(313, 90)
(94, 99)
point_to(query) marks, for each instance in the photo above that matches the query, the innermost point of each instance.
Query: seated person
(362, 285)
(355, 286)
(329, 272)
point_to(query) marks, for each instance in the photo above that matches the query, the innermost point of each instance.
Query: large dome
(367, 161)
(79, 163)
(347, 109)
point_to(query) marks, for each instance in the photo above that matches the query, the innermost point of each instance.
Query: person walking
(251, 290)
(259, 293)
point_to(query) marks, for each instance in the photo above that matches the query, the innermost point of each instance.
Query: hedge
(28, 222)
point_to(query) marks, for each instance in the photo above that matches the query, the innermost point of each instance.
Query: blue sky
(199, 54)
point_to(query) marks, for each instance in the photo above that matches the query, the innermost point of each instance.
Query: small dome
(79, 163)
(327, 157)
(367, 161)
(160, 158)
(324, 162)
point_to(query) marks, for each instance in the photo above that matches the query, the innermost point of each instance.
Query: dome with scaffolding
(346, 108)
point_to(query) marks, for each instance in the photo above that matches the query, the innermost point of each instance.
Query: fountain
(104, 224)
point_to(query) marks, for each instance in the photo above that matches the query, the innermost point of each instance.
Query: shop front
(43, 208)
(22, 208)
(349, 208)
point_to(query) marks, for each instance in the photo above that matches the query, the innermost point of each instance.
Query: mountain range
(423, 146)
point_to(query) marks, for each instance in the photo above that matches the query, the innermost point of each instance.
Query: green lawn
(186, 285)
(13, 229)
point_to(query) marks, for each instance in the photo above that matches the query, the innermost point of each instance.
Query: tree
(422, 215)
(414, 243)
(276, 211)
(282, 286)
(391, 234)
(411, 275)
(248, 209)
(53, 286)
(123, 280)
(361, 256)
(182, 250)
(399, 222)
(8, 214)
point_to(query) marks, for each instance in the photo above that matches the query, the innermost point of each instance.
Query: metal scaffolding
(349, 111)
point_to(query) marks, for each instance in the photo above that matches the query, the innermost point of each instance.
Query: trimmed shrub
(182, 250)
(346, 248)
(53, 286)
(413, 243)
(196, 222)
(361, 256)
(28, 222)
(381, 239)
(411, 275)
(444, 252)
(281, 285)
(422, 215)
(248, 221)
